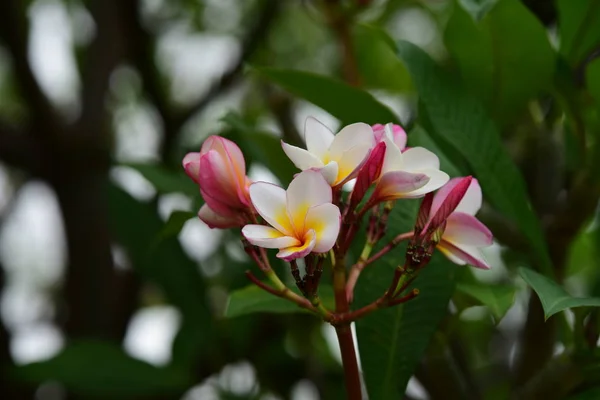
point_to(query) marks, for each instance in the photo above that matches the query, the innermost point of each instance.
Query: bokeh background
(110, 286)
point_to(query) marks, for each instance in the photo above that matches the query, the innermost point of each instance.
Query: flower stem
(344, 333)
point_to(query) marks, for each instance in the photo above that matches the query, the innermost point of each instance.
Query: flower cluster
(316, 216)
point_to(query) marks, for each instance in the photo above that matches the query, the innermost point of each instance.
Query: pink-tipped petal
(369, 173)
(393, 160)
(229, 150)
(398, 184)
(378, 132)
(465, 229)
(191, 164)
(463, 255)
(267, 237)
(270, 202)
(353, 135)
(419, 158)
(215, 178)
(294, 252)
(330, 172)
(318, 137)
(307, 189)
(301, 158)
(437, 179)
(471, 202)
(218, 206)
(448, 198)
(214, 220)
(399, 136)
(325, 221)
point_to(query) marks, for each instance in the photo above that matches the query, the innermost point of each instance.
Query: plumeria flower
(451, 212)
(398, 135)
(220, 171)
(337, 157)
(302, 219)
(408, 174)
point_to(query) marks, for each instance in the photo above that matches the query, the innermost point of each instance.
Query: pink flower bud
(220, 170)
(397, 134)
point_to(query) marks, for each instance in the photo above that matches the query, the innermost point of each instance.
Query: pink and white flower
(337, 157)
(220, 171)
(302, 219)
(452, 209)
(409, 174)
(398, 135)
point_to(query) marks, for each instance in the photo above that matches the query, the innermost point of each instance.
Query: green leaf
(506, 58)
(497, 298)
(347, 103)
(592, 78)
(103, 370)
(579, 28)
(378, 65)
(253, 299)
(165, 180)
(461, 121)
(553, 297)
(392, 341)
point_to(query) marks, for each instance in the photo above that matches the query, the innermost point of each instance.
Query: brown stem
(283, 293)
(351, 374)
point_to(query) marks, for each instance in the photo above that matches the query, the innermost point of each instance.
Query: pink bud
(397, 134)
(369, 172)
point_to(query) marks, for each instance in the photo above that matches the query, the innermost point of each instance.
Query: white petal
(419, 158)
(325, 220)
(330, 172)
(270, 202)
(265, 236)
(301, 158)
(351, 162)
(393, 160)
(349, 137)
(465, 229)
(398, 184)
(437, 179)
(317, 136)
(471, 203)
(291, 253)
(307, 189)
(462, 255)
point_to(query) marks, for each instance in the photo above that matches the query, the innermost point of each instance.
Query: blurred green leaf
(378, 65)
(497, 298)
(253, 299)
(174, 224)
(553, 297)
(506, 58)
(592, 78)
(165, 180)
(347, 103)
(461, 121)
(392, 340)
(260, 147)
(579, 28)
(103, 370)
(136, 226)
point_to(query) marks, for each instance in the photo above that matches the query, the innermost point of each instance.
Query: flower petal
(218, 206)
(419, 158)
(393, 160)
(191, 164)
(325, 221)
(471, 202)
(265, 236)
(214, 220)
(437, 179)
(448, 189)
(291, 253)
(465, 229)
(463, 255)
(318, 137)
(269, 201)
(398, 184)
(358, 134)
(399, 136)
(301, 158)
(351, 162)
(215, 179)
(330, 172)
(307, 189)
(229, 150)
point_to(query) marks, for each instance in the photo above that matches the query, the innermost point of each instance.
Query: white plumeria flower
(337, 157)
(409, 174)
(302, 219)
